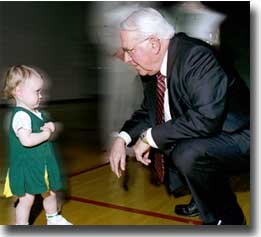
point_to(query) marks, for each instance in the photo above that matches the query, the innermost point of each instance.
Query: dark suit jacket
(205, 97)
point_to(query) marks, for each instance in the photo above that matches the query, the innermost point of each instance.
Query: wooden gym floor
(95, 195)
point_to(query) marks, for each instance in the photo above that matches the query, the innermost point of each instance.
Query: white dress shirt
(167, 116)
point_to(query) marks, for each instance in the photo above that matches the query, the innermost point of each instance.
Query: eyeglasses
(131, 51)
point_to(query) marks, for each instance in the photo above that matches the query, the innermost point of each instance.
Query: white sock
(49, 216)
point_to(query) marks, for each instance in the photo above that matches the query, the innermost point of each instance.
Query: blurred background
(73, 44)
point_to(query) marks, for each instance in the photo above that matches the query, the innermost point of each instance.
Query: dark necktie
(160, 98)
(159, 169)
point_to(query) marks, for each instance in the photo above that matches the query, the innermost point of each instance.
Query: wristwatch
(144, 138)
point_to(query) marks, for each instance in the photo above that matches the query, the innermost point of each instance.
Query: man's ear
(155, 44)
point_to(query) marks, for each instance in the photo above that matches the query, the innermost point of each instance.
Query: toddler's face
(29, 92)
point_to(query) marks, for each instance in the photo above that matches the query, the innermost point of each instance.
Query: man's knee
(187, 154)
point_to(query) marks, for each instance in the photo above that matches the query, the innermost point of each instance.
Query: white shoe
(58, 220)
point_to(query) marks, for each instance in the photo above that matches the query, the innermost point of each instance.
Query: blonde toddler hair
(14, 76)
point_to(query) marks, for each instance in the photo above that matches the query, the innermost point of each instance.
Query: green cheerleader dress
(32, 170)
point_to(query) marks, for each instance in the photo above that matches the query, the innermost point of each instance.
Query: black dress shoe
(187, 210)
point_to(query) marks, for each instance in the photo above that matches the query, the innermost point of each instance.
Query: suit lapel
(150, 87)
(172, 80)
(172, 55)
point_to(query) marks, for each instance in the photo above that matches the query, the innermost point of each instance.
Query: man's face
(138, 53)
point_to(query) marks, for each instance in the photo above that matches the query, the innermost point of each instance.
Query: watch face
(143, 135)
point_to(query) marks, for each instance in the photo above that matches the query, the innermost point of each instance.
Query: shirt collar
(163, 68)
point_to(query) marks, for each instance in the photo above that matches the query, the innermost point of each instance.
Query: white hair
(148, 21)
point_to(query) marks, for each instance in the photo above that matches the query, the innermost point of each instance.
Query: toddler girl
(33, 166)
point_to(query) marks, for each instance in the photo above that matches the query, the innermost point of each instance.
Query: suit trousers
(206, 164)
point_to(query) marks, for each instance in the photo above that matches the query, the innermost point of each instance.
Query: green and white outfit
(32, 170)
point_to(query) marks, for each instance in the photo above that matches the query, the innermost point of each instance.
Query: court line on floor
(87, 170)
(134, 210)
(127, 209)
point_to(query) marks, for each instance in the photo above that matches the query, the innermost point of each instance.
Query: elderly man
(194, 111)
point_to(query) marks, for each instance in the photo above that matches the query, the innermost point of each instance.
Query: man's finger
(146, 161)
(119, 173)
(146, 155)
(111, 163)
(122, 163)
(140, 159)
(116, 166)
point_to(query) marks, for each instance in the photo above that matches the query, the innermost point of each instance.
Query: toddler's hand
(49, 125)
(47, 131)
